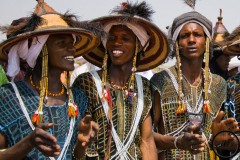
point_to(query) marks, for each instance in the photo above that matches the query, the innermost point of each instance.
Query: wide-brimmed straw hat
(45, 21)
(231, 45)
(156, 51)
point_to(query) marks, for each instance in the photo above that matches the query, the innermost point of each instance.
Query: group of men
(114, 113)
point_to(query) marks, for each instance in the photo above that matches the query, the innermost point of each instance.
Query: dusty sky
(165, 10)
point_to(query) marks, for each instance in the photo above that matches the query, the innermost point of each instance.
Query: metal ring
(219, 145)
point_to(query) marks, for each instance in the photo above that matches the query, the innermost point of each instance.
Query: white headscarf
(179, 28)
(138, 30)
(21, 50)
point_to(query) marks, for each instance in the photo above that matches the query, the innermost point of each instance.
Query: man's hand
(219, 124)
(192, 140)
(44, 141)
(87, 131)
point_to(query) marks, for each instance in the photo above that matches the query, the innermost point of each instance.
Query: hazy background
(165, 10)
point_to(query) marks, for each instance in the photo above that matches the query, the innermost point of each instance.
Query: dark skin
(121, 55)
(220, 124)
(223, 61)
(59, 47)
(191, 41)
(192, 46)
(121, 48)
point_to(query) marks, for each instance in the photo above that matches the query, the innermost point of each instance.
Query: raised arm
(87, 130)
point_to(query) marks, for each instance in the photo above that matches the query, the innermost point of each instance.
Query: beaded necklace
(196, 99)
(47, 91)
(38, 116)
(122, 146)
(106, 95)
(199, 102)
(206, 81)
(125, 87)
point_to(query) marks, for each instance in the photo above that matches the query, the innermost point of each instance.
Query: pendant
(206, 107)
(181, 108)
(107, 96)
(72, 109)
(37, 118)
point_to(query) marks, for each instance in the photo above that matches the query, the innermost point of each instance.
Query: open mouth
(117, 53)
(69, 58)
(192, 49)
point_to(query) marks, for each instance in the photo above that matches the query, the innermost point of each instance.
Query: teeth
(192, 50)
(117, 52)
(69, 58)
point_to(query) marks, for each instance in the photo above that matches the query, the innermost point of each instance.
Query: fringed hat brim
(231, 45)
(155, 53)
(87, 42)
(232, 49)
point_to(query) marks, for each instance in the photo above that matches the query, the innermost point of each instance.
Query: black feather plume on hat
(28, 24)
(70, 19)
(22, 25)
(95, 27)
(141, 9)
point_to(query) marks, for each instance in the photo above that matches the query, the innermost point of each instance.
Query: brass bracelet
(74, 157)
